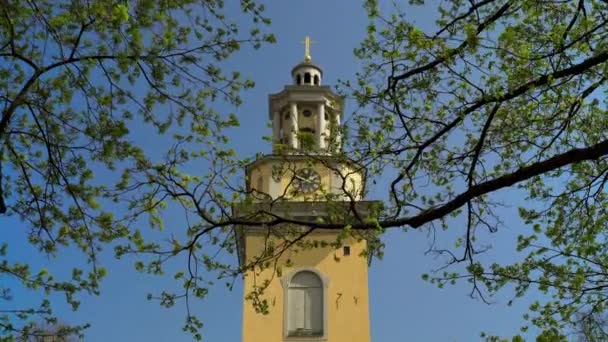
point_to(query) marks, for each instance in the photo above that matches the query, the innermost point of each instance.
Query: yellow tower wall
(346, 293)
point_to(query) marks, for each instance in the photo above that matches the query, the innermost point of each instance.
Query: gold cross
(307, 41)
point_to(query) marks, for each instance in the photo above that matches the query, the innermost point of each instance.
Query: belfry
(301, 282)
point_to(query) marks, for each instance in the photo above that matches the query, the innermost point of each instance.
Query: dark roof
(309, 65)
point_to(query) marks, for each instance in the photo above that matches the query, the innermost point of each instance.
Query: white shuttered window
(305, 305)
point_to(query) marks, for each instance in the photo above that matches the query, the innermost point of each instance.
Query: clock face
(307, 180)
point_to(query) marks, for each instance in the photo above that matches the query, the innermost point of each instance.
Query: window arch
(316, 79)
(305, 311)
(298, 79)
(307, 78)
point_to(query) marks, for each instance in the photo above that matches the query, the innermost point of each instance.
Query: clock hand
(307, 180)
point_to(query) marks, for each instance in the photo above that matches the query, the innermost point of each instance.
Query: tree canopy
(75, 78)
(501, 94)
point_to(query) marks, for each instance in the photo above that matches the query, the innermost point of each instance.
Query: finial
(307, 41)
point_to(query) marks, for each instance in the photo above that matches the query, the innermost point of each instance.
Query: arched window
(307, 78)
(305, 305)
(316, 79)
(298, 79)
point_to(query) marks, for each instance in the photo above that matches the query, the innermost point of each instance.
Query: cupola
(306, 115)
(307, 73)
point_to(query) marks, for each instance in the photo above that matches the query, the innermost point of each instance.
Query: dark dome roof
(307, 65)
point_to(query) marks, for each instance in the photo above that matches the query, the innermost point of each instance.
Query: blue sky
(403, 307)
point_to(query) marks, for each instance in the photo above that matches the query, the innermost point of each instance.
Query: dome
(307, 73)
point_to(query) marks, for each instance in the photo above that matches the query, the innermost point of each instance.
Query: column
(321, 126)
(294, 126)
(338, 133)
(276, 128)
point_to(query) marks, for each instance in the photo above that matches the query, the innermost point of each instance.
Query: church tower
(300, 283)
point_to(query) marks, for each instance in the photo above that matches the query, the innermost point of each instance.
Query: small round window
(307, 113)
